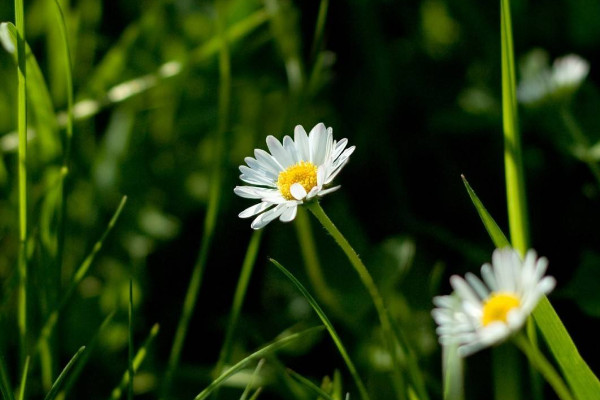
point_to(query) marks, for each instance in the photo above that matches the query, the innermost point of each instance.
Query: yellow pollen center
(304, 173)
(497, 307)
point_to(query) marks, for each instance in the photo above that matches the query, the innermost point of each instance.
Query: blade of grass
(137, 362)
(191, 296)
(22, 168)
(79, 275)
(332, 332)
(238, 300)
(63, 375)
(268, 349)
(581, 379)
(250, 384)
(453, 373)
(308, 384)
(5, 388)
(491, 226)
(24, 380)
(72, 378)
(256, 394)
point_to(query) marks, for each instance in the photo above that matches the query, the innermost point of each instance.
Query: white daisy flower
(562, 79)
(483, 313)
(297, 171)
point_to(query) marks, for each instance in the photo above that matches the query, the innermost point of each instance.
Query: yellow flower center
(497, 307)
(304, 173)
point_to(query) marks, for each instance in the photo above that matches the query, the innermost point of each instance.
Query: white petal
(317, 140)
(477, 285)
(256, 178)
(268, 161)
(338, 148)
(322, 193)
(255, 209)
(290, 147)
(463, 289)
(488, 277)
(277, 151)
(320, 175)
(289, 214)
(263, 219)
(260, 167)
(298, 191)
(301, 141)
(546, 285)
(253, 192)
(313, 192)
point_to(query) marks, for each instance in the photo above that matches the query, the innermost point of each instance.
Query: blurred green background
(415, 85)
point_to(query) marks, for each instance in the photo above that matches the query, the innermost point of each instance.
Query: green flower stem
(371, 287)
(580, 139)
(22, 128)
(537, 360)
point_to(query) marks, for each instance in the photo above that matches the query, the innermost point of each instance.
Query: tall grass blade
(24, 379)
(268, 349)
(137, 362)
(130, 343)
(492, 228)
(308, 384)
(79, 275)
(215, 190)
(63, 375)
(453, 373)
(22, 168)
(332, 332)
(238, 299)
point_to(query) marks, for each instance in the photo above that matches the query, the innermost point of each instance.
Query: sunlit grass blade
(214, 201)
(264, 351)
(256, 394)
(5, 387)
(319, 28)
(63, 375)
(513, 158)
(492, 228)
(252, 381)
(23, 385)
(79, 275)
(308, 384)
(332, 332)
(238, 299)
(72, 378)
(453, 373)
(38, 96)
(137, 362)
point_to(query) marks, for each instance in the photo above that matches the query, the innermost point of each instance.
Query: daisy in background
(480, 313)
(297, 171)
(541, 82)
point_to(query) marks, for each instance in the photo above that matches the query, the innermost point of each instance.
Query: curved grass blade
(332, 332)
(270, 348)
(256, 394)
(63, 375)
(491, 226)
(79, 275)
(308, 384)
(24, 379)
(137, 362)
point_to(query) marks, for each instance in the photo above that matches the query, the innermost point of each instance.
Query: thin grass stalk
(63, 375)
(268, 349)
(211, 214)
(238, 299)
(140, 355)
(23, 385)
(369, 283)
(5, 387)
(330, 328)
(22, 168)
(537, 359)
(308, 384)
(250, 384)
(311, 262)
(319, 30)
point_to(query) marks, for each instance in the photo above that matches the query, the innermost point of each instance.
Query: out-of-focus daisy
(483, 313)
(299, 170)
(541, 82)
